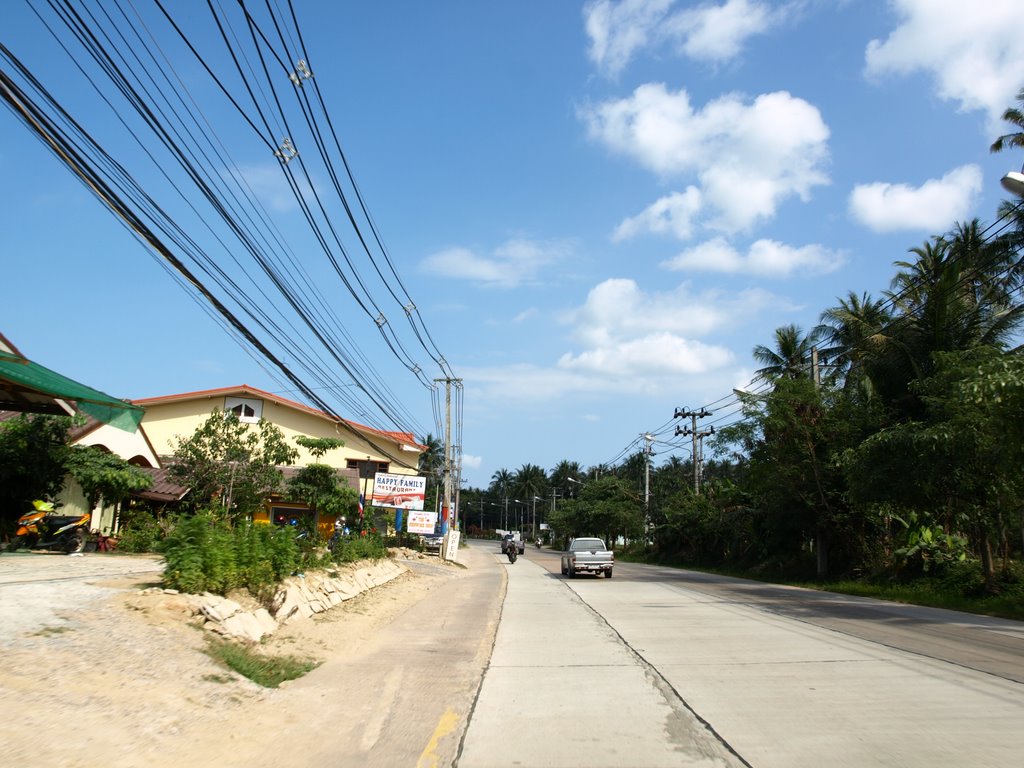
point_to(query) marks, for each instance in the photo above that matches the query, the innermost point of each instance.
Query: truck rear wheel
(608, 573)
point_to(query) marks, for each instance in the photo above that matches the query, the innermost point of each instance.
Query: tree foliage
(231, 466)
(104, 477)
(33, 453)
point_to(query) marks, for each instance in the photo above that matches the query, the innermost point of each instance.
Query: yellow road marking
(429, 758)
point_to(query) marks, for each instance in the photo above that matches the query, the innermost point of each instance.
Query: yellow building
(366, 451)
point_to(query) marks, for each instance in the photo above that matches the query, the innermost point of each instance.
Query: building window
(247, 411)
(367, 469)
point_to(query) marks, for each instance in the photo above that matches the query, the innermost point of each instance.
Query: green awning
(27, 386)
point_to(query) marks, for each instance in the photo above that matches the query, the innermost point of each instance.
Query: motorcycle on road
(512, 551)
(43, 528)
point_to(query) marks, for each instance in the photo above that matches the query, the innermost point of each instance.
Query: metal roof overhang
(29, 387)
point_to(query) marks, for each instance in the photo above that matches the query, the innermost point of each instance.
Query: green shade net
(28, 376)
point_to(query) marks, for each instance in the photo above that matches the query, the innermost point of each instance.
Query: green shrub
(206, 554)
(366, 545)
(140, 531)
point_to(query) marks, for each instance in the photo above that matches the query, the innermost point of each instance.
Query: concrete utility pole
(447, 451)
(648, 439)
(447, 513)
(693, 416)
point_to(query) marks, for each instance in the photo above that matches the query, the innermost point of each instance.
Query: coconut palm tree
(957, 294)
(501, 486)
(855, 332)
(530, 480)
(1014, 116)
(561, 473)
(431, 463)
(791, 357)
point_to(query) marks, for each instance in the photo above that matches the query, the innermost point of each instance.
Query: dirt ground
(123, 680)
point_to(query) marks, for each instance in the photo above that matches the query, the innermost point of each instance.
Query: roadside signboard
(400, 491)
(451, 551)
(422, 522)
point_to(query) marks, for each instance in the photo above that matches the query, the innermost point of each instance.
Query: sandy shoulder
(128, 679)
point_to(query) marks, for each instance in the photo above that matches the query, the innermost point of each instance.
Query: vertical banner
(398, 519)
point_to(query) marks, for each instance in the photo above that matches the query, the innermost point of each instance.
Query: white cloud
(711, 32)
(471, 461)
(932, 207)
(658, 354)
(975, 53)
(672, 214)
(749, 157)
(632, 342)
(766, 258)
(525, 315)
(717, 32)
(511, 264)
(616, 30)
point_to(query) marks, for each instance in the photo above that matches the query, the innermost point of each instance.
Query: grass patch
(268, 671)
(929, 594)
(218, 678)
(51, 631)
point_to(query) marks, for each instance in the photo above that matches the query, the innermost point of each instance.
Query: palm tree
(431, 463)
(530, 481)
(1014, 116)
(957, 294)
(562, 472)
(856, 331)
(501, 485)
(791, 357)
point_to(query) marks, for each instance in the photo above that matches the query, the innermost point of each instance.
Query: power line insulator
(286, 151)
(301, 73)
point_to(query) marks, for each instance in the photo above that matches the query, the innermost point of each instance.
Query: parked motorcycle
(512, 551)
(43, 528)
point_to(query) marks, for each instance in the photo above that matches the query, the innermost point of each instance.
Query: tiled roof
(246, 390)
(163, 489)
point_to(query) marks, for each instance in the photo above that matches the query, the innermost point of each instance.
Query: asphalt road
(780, 677)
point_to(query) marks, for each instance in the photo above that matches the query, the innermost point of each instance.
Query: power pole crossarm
(695, 454)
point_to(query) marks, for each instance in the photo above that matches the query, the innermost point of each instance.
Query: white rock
(244, 626)
(220, 608)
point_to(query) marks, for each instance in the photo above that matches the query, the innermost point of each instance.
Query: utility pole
(447, 514)
(693, 416)
(648, 439)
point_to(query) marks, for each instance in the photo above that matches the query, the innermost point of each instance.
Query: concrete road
(781, 678)
(563, 690)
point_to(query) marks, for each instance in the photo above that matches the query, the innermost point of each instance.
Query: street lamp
(1013, 182)
(533, 518)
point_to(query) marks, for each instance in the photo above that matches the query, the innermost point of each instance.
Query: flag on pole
(360, 506)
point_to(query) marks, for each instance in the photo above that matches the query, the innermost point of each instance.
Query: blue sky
(598, 208)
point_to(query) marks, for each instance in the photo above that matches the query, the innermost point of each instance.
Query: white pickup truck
(587, 556)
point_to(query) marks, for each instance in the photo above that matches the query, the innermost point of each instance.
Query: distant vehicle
(587, 556)
(519, 543)
(432, 541)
